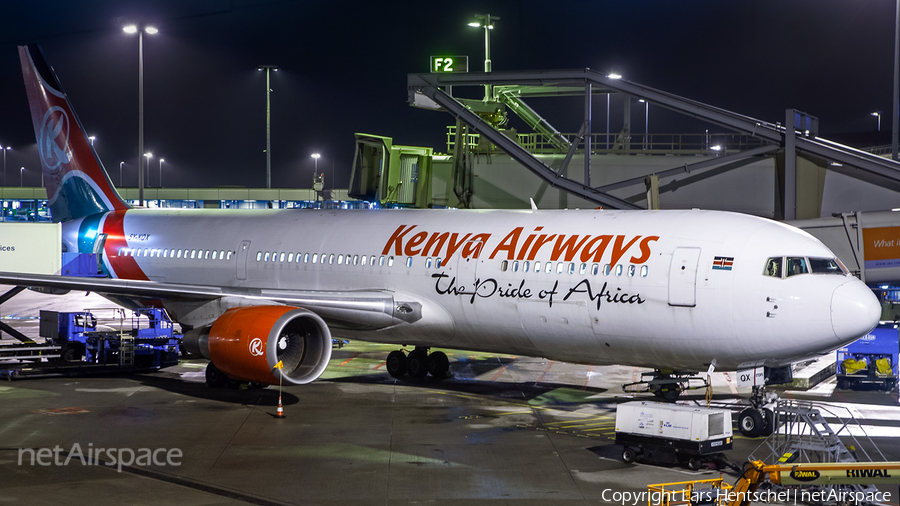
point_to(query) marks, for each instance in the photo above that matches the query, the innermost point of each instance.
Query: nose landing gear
(418, 364)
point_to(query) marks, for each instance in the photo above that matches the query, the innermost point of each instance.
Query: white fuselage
(662, 289)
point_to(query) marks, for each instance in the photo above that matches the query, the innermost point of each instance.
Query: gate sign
(751, 377)
(446, 64)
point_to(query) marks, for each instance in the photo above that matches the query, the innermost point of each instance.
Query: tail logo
(53, 144)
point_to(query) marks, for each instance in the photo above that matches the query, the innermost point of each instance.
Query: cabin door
(683, 277)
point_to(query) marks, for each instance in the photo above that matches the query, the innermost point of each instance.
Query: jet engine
(246, 343)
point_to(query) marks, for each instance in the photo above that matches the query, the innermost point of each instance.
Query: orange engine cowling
(246, 343)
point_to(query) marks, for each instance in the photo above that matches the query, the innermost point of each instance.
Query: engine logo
(256, 347)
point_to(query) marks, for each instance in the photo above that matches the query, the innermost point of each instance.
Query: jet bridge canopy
(798, 134)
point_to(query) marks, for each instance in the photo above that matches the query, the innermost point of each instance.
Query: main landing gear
(418, 364)
(665, 385)
(758, 419)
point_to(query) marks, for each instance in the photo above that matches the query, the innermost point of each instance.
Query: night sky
(344, 68)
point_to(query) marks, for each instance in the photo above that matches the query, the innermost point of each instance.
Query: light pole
(131, 29)
(877, 114)
(22, 177)
(161, 160)
(486, 21)
(92, 139)
(646, 122)
(611, 76)
(148, 156)
(268, 123)
(7, 148)
(120, 173)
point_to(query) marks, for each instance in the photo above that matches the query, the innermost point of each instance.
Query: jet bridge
(798, 134)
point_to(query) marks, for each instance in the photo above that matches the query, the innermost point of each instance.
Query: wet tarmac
(502, 430)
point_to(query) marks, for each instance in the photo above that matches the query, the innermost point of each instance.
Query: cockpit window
(824, 266)
(773, 267)
(796, 265)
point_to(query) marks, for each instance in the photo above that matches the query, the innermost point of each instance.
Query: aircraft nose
(854, 310)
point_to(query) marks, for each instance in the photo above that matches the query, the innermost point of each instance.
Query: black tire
(750, 422)
(417, 364)
(396, 363)
(214, 377)
(438, 365)
(629, 455)
(694, 463)
(70, 353)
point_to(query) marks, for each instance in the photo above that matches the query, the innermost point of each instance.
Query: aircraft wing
(358, 309)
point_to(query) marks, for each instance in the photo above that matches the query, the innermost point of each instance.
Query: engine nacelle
(246, 343)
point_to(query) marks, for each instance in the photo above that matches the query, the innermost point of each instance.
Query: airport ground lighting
(161, 160)
(268, 68)
(486, 21)
(148, 156)
(132, 29)
(120, 172)
(877, 114)
(92, 139)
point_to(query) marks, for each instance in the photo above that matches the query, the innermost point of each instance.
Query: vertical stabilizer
(76, 182)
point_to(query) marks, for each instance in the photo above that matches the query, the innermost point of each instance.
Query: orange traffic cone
(279, 413)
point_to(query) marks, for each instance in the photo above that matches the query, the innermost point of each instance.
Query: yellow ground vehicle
(809, 482)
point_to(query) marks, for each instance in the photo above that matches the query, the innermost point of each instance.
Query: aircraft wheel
(750, 422)
(629, 455)
(417, 364)
(214, 377)
(396, 363)
(438, 365)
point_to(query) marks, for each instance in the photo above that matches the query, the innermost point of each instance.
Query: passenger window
(179, 255)
(331, 259)
(290, 257)
(515, 266)
(390, 261)
(381, 261)
(503, 265)
(796, 265)
(631, 270)
(606, 270)
(773, 267)
(194, 254)
(280, 257)
(372, 260)
(437, 263)
(165, 253)
(583, 269)
(571, 268)
(172, 253)
(362, 261)
(340, 259)
(315, 257)
(525, 266)
(409, 261)
(619, 270)
(306, 258)
(595, 269)
(221, 255)
(428, 263)
(644, 270)
(537, 266)
(549, 269)
(355, 259)
(214, 255)
(229, 256)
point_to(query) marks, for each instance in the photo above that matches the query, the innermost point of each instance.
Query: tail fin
(76, 182)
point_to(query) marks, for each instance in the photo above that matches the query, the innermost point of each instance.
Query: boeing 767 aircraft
(674, 291)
